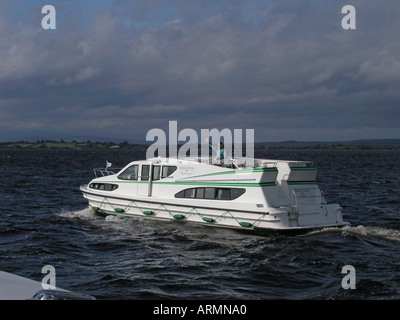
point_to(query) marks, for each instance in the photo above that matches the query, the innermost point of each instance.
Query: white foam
(389, 234)
(322, 231)
(85, 214)
(113, 218)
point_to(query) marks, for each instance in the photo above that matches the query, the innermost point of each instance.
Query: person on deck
(219, 150)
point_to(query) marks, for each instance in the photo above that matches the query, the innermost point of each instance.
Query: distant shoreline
(89, 145)
(73, 145)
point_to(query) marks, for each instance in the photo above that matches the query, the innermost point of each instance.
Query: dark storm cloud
(285, 68)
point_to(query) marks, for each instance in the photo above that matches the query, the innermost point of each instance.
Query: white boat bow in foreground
(269, 195)
(14, 287)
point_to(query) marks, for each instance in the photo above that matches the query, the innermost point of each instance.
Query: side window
(180, 194)
(209, 193)
(103, 186)
(190, 193)
(200, 193)
(145, 172)
(167, 171)
(156, 173)
(223, 194)
(130, 174)
(237, 192)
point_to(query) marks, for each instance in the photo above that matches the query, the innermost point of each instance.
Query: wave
(388, 234)
(85, 214)
(377, 232)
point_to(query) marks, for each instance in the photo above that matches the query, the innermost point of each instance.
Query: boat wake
(88, 214)
(84, 214)
(376, 232)
(388, 234)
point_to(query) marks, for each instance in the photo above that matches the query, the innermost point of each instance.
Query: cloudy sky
(285, 68)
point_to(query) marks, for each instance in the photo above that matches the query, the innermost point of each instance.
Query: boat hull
(289, 220)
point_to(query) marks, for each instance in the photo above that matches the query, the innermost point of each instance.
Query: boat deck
(236, 164)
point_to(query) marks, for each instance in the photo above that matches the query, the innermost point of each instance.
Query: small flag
(108, 164)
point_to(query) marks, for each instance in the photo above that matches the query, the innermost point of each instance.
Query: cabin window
(200, 193)
(156, 173)
(236, 192)
(130, 174)
(110, 187)
(145, 172)
(190, 193)
(211, 193)
(223, 194)
(167, 171)
(180, 194)
(103, 186)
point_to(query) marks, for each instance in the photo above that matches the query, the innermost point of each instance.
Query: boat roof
(243, 162)
(237, 163)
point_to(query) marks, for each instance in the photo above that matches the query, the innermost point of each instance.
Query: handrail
(239, 162)
(103, 172)
(296, 196)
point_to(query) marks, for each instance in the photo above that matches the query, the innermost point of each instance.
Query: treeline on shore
(61, 144)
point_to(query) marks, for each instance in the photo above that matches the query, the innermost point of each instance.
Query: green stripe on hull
(235, 171)
(222, 184)
(199, 183)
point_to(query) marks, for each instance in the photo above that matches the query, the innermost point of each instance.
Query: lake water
(46, 221)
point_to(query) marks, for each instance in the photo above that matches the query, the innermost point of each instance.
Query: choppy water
(45, 220)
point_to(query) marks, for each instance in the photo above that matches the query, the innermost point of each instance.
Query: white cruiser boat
(269, 195)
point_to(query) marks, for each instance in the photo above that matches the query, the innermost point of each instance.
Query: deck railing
(308, 196)
(102, 172)
(236, 163)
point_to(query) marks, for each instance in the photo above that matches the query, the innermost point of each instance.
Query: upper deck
(234, 163)
(263, 170)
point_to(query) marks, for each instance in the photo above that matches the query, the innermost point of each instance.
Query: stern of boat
(315, 216)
